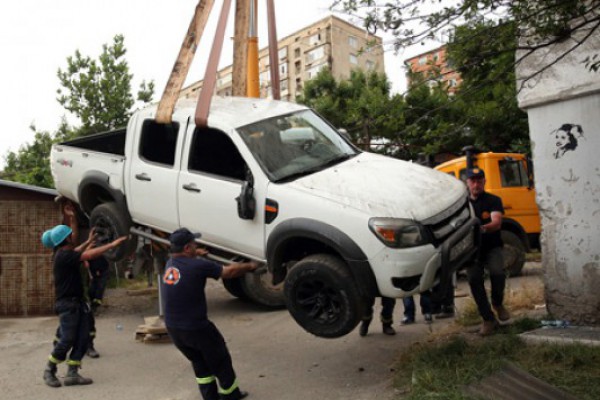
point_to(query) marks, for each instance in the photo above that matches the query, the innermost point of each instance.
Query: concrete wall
(563, 104)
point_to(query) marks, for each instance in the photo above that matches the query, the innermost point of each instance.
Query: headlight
(398, 232)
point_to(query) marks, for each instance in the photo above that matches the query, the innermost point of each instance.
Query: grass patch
(439, 370)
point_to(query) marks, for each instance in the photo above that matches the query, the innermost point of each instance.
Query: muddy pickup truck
(272, 181)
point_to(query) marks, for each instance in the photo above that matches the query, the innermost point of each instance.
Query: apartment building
(329, 43)
(436, 67)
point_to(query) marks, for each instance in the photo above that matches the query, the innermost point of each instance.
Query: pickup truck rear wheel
(115, 223)
(260, 290)
(514, 253)
(235, 288)
(322, 297)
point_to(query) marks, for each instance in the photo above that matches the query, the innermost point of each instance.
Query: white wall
(567, 96)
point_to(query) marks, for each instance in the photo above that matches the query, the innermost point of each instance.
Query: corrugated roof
(30, 188)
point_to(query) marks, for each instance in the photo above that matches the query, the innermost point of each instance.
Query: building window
(297, 52)
(313, 71)
(297, 67)
(353, 42)
(298, 85)
(452, 83)
(315, 54)
(283, 86)
(423, 60)
(283, 69)
(283, 53)
(370, 65)
(265, 78)
(314, 39)
(353, 59)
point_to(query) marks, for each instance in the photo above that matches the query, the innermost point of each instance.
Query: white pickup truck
(274, 182)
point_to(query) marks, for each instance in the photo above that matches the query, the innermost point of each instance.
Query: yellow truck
(509, 176)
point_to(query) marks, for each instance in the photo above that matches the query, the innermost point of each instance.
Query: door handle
(143, 177)
(191, 187)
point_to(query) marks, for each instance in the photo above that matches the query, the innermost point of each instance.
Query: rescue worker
(186, 316)
(386, 317)
(489, 209)
(70, 304)
(98, 269)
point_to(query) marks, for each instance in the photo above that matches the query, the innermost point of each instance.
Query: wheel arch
(510, 225)
(297, 238)
(95, 189)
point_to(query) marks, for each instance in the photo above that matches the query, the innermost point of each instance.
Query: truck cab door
(153, 174)
(213, 183)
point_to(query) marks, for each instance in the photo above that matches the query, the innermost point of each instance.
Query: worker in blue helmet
(70, 304)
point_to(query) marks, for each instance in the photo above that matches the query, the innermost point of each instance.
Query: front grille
(448, 221)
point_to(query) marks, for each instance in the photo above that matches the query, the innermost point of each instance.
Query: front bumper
(404, 272)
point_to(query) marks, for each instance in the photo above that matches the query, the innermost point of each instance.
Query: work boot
(502, 313)
(387, 329)
(91, 352)
(73, 377)
(50, 378)
(445, 312)
(488, 328)
(364, 327)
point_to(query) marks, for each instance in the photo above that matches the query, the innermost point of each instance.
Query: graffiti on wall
(567, 138)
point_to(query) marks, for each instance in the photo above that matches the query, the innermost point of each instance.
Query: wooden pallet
(152, 331)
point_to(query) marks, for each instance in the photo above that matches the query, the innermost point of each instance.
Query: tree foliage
(98, 93)
(31, 163)
(361, 104)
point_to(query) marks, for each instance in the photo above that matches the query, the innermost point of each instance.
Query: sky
(37, 37)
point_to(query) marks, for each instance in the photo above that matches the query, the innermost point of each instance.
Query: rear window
(159, 142)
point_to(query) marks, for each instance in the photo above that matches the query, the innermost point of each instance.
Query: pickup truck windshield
(290, 146)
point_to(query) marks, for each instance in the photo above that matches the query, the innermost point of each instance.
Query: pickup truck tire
(514, 253)
(259, 289)
(117, 224)
(322, 296)
(235, 288)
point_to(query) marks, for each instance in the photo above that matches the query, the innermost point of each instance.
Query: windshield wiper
(312, 170)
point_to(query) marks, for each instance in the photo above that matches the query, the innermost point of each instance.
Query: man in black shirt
(488, 208)
(70, 304)
(186, 317)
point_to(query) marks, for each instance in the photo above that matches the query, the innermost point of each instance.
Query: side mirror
(246, 204)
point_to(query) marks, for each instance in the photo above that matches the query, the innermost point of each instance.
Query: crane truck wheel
(111, 223)
(258, 288)
(514, 253)
(322, 297)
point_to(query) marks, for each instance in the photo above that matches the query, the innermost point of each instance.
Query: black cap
(475, 173)
(182, 236)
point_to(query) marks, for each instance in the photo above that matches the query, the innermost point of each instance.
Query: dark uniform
(490, 257)
(192, 333)
(71, 309)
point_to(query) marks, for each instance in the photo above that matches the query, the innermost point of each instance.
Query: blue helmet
(59, 233)
(47, 239)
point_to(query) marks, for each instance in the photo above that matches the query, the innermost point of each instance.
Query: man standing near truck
(489, 209)
(70, 306)
(186, 316)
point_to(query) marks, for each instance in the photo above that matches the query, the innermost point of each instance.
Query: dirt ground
(274, 358)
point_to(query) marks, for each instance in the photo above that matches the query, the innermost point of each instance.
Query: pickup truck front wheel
(514, 253)
(322, 297)
(111, 223)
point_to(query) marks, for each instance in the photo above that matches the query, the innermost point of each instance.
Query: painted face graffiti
(566, 138)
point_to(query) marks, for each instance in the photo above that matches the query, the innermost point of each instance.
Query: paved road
(274, 358)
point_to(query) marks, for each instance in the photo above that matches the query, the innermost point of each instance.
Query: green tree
(488, 94)
(31, 163)
(546, 21)
(361, 104)
(98, 92)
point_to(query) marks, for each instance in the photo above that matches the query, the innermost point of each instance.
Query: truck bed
(112, 142)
